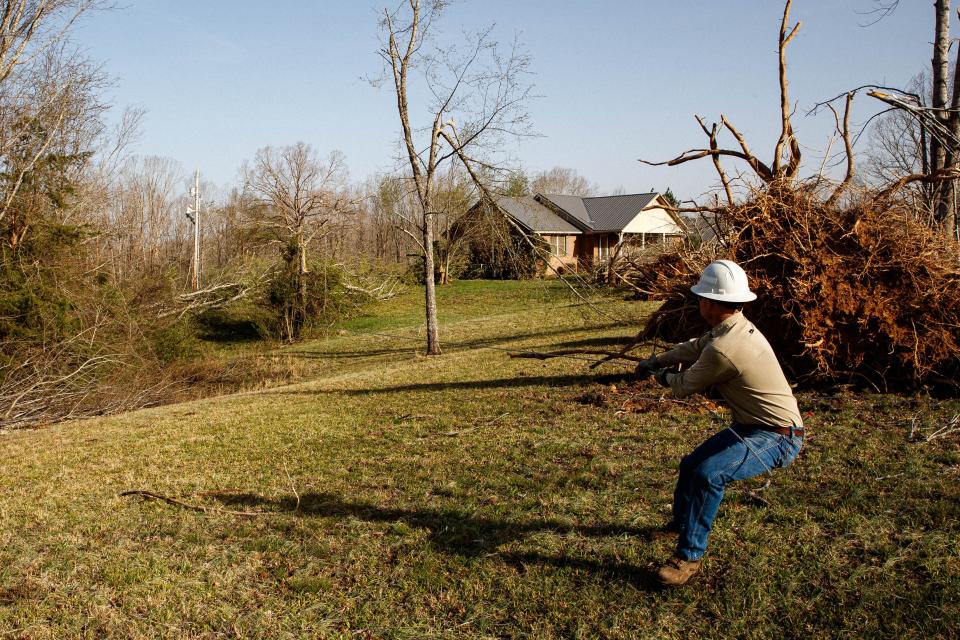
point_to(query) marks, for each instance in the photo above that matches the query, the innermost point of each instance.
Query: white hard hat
(725, 281)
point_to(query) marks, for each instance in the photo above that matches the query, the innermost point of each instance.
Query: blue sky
(617, 80)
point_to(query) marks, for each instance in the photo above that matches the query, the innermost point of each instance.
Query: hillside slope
(470, 495)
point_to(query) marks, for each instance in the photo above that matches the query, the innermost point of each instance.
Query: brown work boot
(677, 571)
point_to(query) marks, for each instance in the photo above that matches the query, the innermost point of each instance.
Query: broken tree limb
(620, 355)
(213, 297)
(383, 291)
(943, 175)
(453, 139)
(695, 154)
(848, 148)
(712, 134)
(786, 130)
(762, 170)
(925, 115)
(488, 423)
(560, 353)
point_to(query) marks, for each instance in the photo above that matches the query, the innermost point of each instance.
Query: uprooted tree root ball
(864, 294)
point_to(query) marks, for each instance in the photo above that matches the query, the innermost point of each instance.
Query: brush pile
(854, 287)
(862, 294)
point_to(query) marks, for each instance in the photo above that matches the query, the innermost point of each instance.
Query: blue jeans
(705, 473)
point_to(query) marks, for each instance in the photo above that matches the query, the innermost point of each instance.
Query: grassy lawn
(470, 496)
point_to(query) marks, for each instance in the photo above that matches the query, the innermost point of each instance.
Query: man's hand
(661, 376)
(645, 368)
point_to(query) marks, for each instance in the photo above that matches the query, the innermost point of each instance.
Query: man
(767, 432)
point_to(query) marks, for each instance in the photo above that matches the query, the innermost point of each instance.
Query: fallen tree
(862, 293)
(853, 285)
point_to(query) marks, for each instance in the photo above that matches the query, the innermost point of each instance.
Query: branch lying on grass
(379, 292)
(950, 427)
(58, 383)
(754, 494)
(460, 432)
(560, 353)
(149, 495)
(890, 477)
(373, 286)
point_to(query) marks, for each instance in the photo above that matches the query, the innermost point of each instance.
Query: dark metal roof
(534, 216)
(572, 205)
(605, 213)
(554, 213)
(613, 213)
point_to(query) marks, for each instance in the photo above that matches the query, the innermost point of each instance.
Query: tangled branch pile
(853, 286)
(864, 293)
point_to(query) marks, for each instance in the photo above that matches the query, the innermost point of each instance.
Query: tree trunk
(953, 154)
(445, 263)
(940, 68)
(433, 331)
(300, 313)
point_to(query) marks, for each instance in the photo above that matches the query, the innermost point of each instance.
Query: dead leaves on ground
(644, 397)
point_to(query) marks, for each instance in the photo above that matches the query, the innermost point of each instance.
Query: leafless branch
(848, 147)
(712, 134)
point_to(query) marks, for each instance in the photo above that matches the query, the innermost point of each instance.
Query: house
(587, 231)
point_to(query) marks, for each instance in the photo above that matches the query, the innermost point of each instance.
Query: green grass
(469, 496)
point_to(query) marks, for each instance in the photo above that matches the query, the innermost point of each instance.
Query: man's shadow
(458, 533)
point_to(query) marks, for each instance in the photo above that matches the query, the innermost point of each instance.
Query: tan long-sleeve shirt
(735, 358)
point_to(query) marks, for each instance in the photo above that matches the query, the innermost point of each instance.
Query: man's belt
(783, 431)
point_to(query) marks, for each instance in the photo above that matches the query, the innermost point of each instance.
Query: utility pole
(194, 216)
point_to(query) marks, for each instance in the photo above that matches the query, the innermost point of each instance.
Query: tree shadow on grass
(496, 383)
(416, 343)
(462, 534)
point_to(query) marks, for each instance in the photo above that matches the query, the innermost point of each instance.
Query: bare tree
(32, 34)
(786, 156)
(386, 202)
(564, 181)
(300, 193)
(938, 123)
(477, 98)
(898, 147)
(50, 118)
(146, 227)
(29, 27)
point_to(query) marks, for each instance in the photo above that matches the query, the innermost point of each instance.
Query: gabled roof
(555, 213)
(534, 216)
(613, 213)
(571, 205)
(604, 213)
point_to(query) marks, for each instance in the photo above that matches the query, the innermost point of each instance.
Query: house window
(558, 245)
(603, 247)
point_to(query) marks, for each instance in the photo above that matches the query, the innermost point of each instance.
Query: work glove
(645, 368)
(661, 376)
